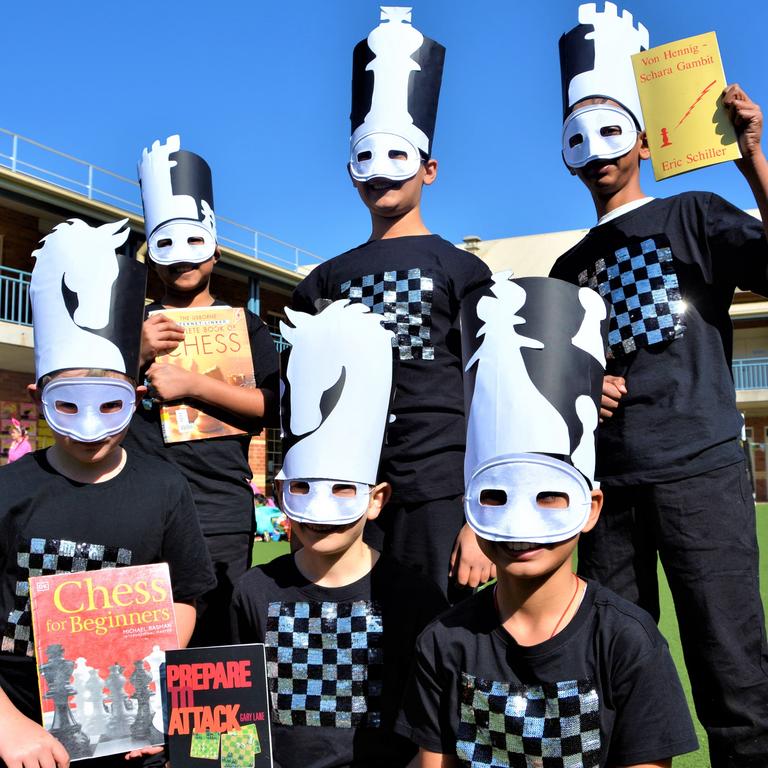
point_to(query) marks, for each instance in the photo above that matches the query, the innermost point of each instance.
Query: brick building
(40, 188)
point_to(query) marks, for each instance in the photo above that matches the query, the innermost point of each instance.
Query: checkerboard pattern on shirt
(508, 725)
(325, 663)
(404, 298)
(641, 285)
(45, 557)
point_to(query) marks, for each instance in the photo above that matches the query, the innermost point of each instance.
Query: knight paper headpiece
(177, 194)
(396, 77)
(534, 362)
(87, 300)
(337, 391)
(595, 58)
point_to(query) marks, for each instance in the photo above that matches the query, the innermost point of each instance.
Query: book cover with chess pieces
(100, 640)
(216, 707)
(215, 344)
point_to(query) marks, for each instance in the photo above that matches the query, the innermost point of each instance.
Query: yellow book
(680, 86)
(215, 344)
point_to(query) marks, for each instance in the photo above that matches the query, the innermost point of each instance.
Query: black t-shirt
(669, 270)
(417, 283)
(337, 659)
(217, 469)
(604, 691)
(143, 515)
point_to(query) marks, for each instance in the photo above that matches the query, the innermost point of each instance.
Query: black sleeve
(246, 626)
(425, 718)
(652, 718)
(466, 274)
(266, 366)
(737, 246)
(308, 291)
(184, 548)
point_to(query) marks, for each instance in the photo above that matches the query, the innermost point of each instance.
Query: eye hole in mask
(363, 156)
(113, 406)
(165, 242)
(64, 407)
(610, 130)
(493, 497)
(552, 500)
(575, 140)
(398, 154)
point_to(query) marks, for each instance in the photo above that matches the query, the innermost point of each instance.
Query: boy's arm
(426, 759)
(659, 764)
(26, 744)
(170, 382)
(747, 118)
(186, 615)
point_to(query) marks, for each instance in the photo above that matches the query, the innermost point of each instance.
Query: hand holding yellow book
(681, 86)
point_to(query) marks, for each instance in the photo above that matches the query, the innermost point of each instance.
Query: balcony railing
(31, 158)
(280, 342)
(14, 296)
(751, 373)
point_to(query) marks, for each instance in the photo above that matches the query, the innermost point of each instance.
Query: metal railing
(14, 296)
(750, 373)
(280, 342)
(23, 155)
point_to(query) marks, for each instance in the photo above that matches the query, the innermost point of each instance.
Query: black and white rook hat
(177, 194)
(595, 58)
(396, 77)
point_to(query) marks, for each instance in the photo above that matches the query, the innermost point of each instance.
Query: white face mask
(597, 132)
(179, 250)
(88, 409)
(501, 504)
(315, 501)
(372, 157)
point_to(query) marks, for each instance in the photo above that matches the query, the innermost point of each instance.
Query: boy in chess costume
(85, 503)
(177, 194)
(416, 281)
(545, 668)
(669, 459)
(339, 619)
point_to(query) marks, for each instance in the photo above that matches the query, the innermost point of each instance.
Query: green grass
(263, 552)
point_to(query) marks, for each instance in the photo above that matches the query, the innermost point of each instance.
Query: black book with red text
(216, 707)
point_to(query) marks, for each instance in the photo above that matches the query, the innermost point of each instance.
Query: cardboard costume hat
(396, 77)
(87, 300)
(534, 362)
(337, 386)
(595, 58)
(177, 195)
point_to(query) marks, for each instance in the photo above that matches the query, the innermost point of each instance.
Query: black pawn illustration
(119, 724)
(57, 672)
(140, 680)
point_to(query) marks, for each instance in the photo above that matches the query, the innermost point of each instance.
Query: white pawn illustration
(80, 676)
(96, 724)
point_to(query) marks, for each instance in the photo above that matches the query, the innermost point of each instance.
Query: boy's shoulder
(622, 620)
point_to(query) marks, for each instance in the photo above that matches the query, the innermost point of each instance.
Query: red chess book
(100, 637)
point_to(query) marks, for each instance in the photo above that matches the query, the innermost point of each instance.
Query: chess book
(215, 344)
(680, 86)
(100, 638)
(217, 707)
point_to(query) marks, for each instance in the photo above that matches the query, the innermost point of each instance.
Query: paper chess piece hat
(87, 300)
(177, 195)
(396, 77)
(534, 362)
(337, 386)
(595, 58)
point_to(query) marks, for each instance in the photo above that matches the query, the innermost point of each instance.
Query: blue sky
(261, 90)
